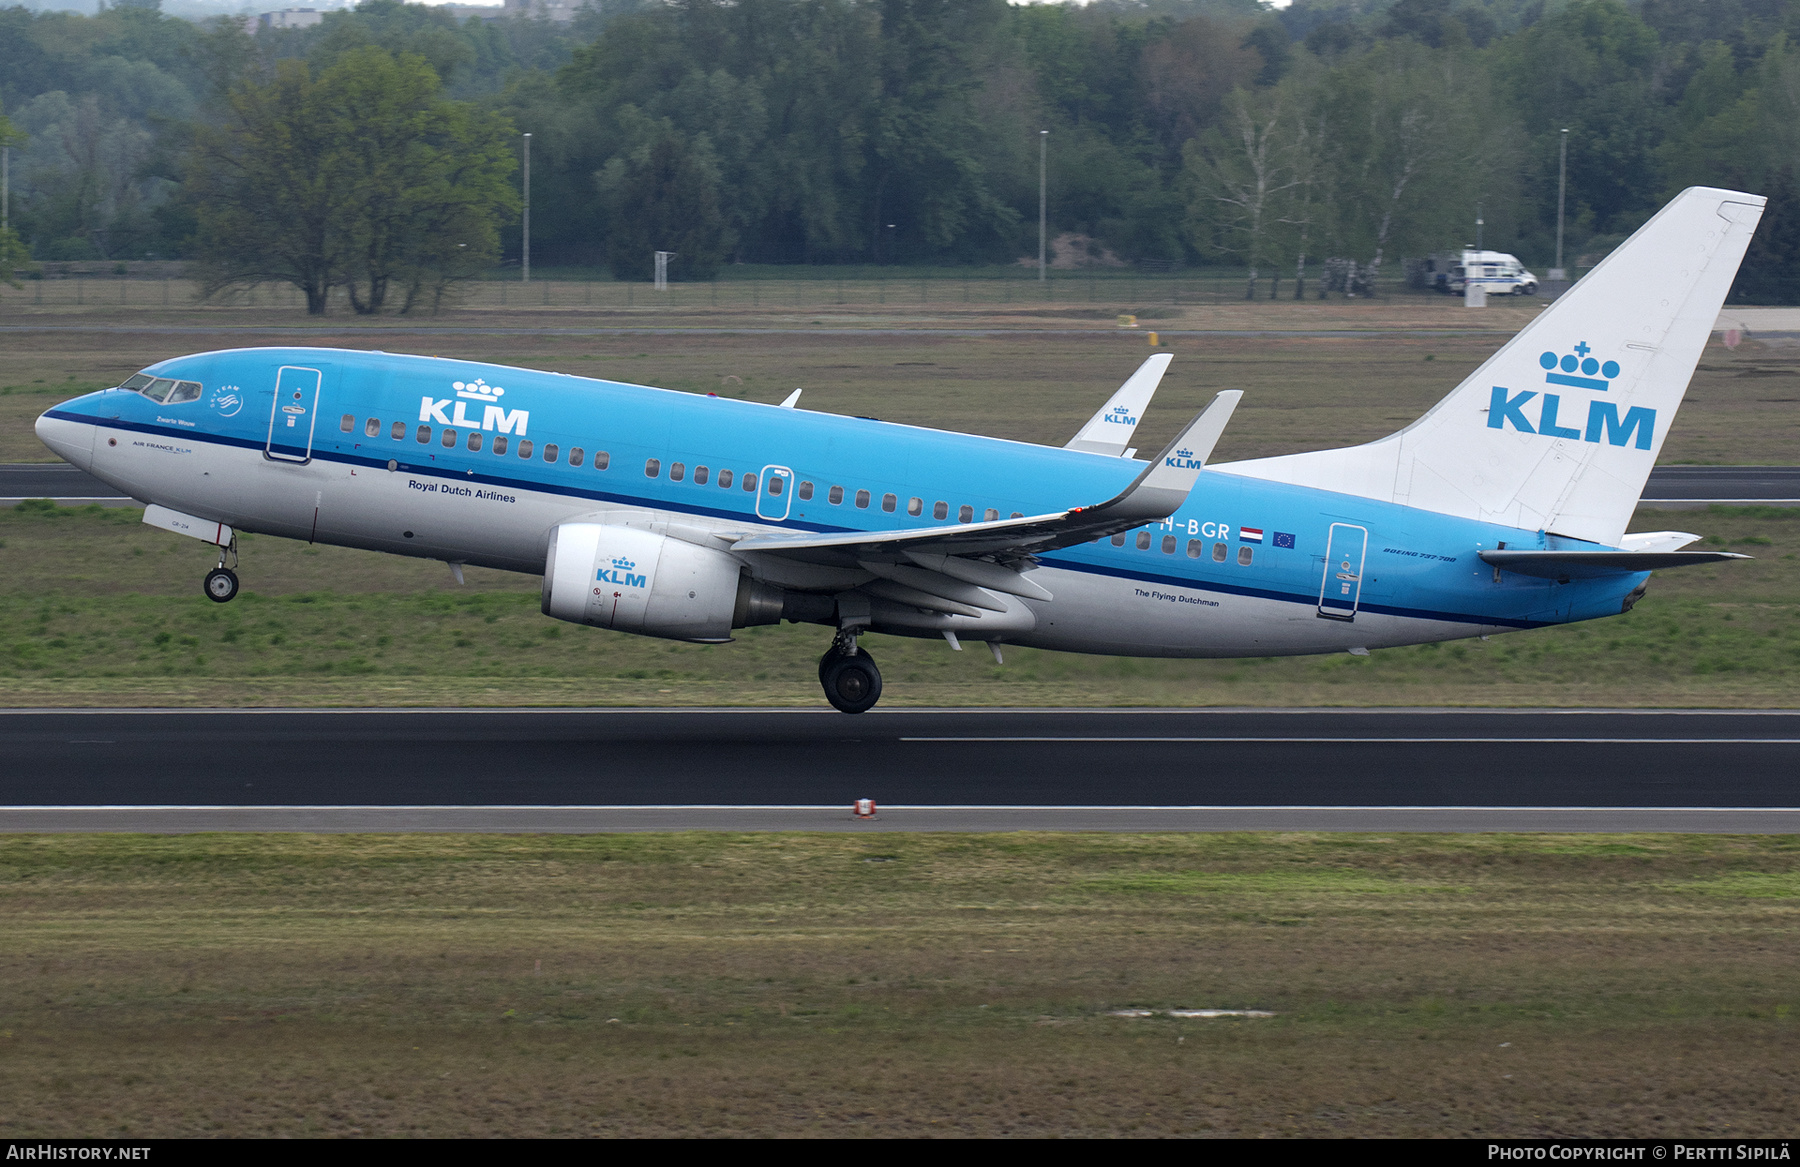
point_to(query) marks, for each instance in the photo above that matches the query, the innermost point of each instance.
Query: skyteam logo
(1119, 415)
(1575, 370)
(493, 417)
(1184, 460)
(623, 573)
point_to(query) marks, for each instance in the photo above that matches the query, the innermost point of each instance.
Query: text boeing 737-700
(680, 516)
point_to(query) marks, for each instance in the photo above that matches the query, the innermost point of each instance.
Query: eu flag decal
(1283, 539)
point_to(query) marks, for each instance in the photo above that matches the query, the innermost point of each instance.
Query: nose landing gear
(221, 584)
(848, 675)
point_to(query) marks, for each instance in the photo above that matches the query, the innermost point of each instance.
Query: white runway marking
(1551, 741)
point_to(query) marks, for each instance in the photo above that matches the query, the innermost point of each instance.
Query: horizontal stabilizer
(1109, 431)
(1564, 565)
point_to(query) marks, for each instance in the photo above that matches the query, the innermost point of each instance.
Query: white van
(1497, 272)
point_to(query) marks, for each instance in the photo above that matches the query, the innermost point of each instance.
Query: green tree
(364, 177)
(13, 253)
(664, 196)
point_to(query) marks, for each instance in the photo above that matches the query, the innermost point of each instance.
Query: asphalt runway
(1684, 484)
(589, 770)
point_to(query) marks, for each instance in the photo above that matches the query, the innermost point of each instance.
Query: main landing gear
(221, 585)
(848, 675)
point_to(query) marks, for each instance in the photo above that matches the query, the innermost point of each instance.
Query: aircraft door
(292, 415)
(1341, 589)
(776, 495)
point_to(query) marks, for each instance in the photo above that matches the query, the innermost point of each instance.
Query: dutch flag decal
(1250, 534)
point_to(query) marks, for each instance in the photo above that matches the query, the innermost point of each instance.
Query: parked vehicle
(1499, 273)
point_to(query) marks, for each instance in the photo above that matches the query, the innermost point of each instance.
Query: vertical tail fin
(1559, 429)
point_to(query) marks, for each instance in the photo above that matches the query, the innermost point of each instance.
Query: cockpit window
(165, 390)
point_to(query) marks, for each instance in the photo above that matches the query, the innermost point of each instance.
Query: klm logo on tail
(1184, 460)
(1576, 370)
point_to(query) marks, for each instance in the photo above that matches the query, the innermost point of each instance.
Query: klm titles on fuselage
(1576, 370)
(493, 416)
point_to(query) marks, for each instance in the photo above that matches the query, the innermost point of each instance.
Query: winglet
(1109, 431)
(792, 400)
(1164, 485)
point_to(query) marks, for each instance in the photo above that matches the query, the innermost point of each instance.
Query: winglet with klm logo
(1164, 485)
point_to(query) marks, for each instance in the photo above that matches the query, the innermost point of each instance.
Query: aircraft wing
(1153, 495)
(1109, 431)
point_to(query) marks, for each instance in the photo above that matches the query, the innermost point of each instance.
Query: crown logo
(623, 564)
(477, 390)
(1562, 370)
(1121, 409)
(1184, 453)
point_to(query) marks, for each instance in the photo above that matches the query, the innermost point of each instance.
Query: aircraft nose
(73, 441)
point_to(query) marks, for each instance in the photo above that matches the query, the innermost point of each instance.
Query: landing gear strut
(848, 675)
(221, 585)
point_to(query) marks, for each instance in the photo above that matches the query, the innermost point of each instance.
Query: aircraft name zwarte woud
(680, 516)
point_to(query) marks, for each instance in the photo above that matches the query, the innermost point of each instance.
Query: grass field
(832, 985)
(1300, 392)
(104, 610)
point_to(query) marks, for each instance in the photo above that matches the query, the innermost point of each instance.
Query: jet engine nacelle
(637, 581)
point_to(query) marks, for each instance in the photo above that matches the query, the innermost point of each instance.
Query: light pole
(1477, 226)
(525, 255)
(1043, 157)
(1562, 185)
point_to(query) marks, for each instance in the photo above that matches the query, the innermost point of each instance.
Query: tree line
(378, 151)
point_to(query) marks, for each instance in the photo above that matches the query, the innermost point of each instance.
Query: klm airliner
(685, 517)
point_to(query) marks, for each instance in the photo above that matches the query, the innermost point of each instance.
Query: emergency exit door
(1341, 590)
(292, 414)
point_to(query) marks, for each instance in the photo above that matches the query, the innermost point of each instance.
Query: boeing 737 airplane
(680, 516)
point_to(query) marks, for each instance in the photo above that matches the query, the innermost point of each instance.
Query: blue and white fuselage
(678, 515)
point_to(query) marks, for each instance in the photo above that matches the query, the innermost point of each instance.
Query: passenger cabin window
(989, 515)
(575, 456)
(602, 459)
(1143, 541)
(372, 428)
(965, 514)
(524, 447)
(1218, 553)
(750, 483)
(940, 509)
(889, 502)
(1168, 544)
(805, 491)
(550, 451)
(915, 506)
(1244, 556)
(398, 432)
(1119, 539)
(835, 495)
(474, 440)
(348, 422)
(677, 471)
(700, 475)
(724, 480)
(449, 438)
(1193, 548)
(862, 499)
(652, 467)
(1018, 514)
(424, 434)
(500, 443)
